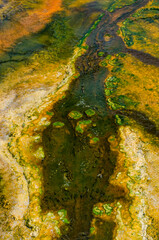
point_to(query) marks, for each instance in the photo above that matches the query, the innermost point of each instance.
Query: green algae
(58, 124)
(59, 34)
(95, 139)
(112, 138)
(121, 102)
(62, 213)
(76, 76)
(113, 79)
(79, 129)
(47, 123)
(111, 104)
(65, 220)
(146, 13)
(75, 115)
(92, 230)
(50, 113)
(85, 122)
(85, 47)
(119, 4)
(90, 30)
(82, 124)
(103, 63)
(108, 209)
(107, 92)
(118, 120)
(133, 31)
(97, 211)
(90, 112)
(57, 230)
(108, 57)
(115, 62)
(100, 54)
(111, 85)
(127, 36)
(31, 4)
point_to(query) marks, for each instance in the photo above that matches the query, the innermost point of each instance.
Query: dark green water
(76, 172)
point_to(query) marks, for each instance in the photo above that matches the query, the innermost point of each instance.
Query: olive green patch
(75, 115)
(108, 209)
(90, 112)
(58, 124)
(97, 211)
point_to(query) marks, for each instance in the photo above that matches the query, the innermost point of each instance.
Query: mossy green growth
(31, 4)
(90, 112)
(100, 54)
(118, 120)
(47, 123)
(76, 76)
(115, 62)
(92, 229)
(103, 63)
(112, 138)
(62, 213)
(95, 139)
(75, 115)
(58, 124)
(60, 38)
(90, 30)
(85, 47)
(108, 92)
(97, 211)
(123, 101)
(108, 209)
(57, 230)
(112, 85)
(122, 120)
(111, 104)
(81, 125)
(50, 113)
(79, 129)
(85, 122)
(108, 57)
(65, 220)
(119, 4)
(113, 79)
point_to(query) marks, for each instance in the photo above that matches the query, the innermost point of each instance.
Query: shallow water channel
(77, 164)
(78, 160)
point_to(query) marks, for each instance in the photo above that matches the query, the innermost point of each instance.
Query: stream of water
(76, 172)
(76, 169)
